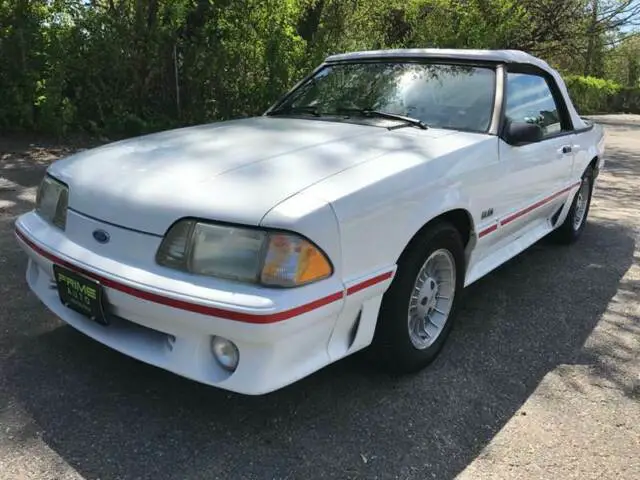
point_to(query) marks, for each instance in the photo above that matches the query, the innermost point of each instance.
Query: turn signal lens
(292, 261)
(174, 247)
(51, 201)
(60, 215)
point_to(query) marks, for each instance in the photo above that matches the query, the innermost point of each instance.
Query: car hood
(234, 171)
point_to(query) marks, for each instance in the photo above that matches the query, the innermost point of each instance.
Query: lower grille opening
(153, 336)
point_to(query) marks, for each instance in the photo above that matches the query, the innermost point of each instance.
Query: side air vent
(354, 329)
(554, 218)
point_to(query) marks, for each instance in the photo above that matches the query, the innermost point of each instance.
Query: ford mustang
(247, 254)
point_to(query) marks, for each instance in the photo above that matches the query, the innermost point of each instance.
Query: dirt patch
(24, 151)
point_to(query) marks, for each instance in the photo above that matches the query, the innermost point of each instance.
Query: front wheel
(417, 311)
(574, 224)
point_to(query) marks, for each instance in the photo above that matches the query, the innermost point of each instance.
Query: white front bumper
(291, 338)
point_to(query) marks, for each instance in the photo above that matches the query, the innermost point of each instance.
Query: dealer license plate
(80, 293)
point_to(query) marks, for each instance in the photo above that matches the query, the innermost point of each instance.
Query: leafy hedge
(595, 95)
(131, 66)
(627, 100)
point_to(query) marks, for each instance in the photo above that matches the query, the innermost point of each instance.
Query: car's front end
(197, 251)
(251, 324)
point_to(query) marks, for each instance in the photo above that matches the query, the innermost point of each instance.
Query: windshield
(442, 96)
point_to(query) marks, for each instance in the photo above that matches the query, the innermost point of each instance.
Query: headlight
(51, 201)
(243, 254)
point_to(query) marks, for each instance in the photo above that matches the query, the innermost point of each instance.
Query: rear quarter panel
(588, 144)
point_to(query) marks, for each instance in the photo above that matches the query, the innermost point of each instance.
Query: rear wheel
(574, 224)
(417, 311)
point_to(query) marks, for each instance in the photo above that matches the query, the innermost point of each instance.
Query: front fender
(378, 221)
(382, 203)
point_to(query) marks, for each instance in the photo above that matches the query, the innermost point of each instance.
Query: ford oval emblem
(101, 236)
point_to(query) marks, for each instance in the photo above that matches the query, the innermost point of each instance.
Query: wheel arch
(594, 164)
(460, 218)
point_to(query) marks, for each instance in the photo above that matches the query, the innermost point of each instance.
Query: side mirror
(521, 133)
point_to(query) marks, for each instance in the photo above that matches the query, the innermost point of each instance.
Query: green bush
(595, 95)
(591, 94)
(135, 66)
(627, 100)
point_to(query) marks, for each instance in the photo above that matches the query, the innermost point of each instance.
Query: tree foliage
(130, 66)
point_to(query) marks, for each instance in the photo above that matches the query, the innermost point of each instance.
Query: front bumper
(281, 338)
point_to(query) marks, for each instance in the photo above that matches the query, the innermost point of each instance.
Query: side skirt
(511, 249)
(521, 240)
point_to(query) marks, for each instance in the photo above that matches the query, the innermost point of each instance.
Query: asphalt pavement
(539, 379)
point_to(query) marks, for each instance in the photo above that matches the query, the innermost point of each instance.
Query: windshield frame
(496, 103)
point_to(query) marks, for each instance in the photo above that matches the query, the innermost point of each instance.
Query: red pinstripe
(488, 230)
(204, 309)
(514, 216)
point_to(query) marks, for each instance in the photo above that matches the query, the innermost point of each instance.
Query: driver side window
(529, 99)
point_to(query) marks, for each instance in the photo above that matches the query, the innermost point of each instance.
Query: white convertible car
(250, 253)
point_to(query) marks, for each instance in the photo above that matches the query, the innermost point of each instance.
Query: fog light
(225, 352)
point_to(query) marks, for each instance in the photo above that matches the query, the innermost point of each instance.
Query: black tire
(567, 233)
(392, 347)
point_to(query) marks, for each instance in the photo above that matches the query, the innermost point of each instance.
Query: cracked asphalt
(539, 379)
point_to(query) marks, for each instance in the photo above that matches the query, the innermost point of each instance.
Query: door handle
(566, 149)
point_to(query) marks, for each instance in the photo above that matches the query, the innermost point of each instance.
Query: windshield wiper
(367, 112)
(310, 109)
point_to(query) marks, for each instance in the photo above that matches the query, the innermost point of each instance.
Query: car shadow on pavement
(109, 416)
